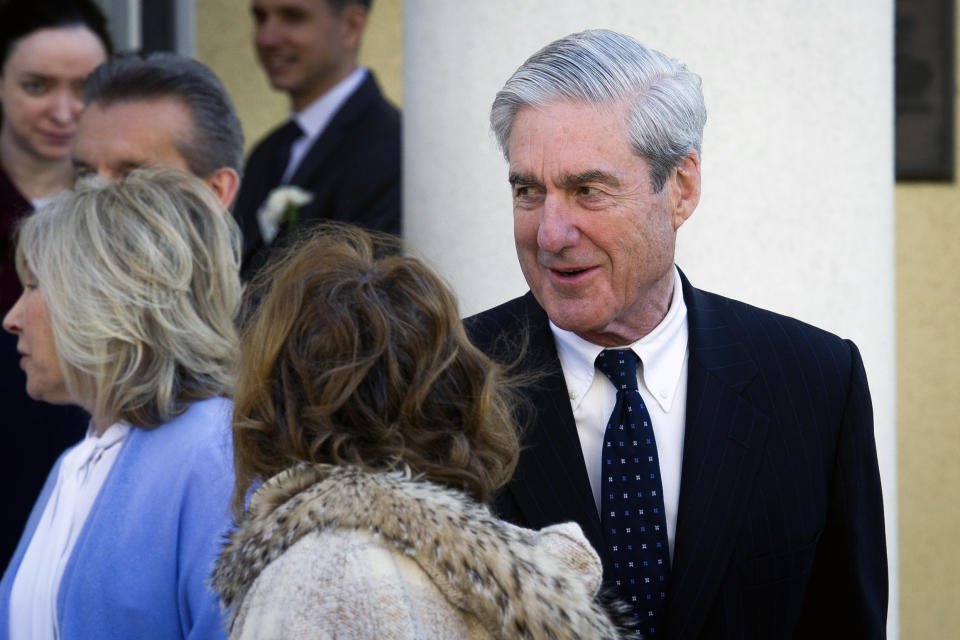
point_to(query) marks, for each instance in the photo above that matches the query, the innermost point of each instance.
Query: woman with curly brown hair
(379, 431)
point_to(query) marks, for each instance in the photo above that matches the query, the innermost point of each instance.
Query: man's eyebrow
(572, 180)
(524, 179)
(35, 75)
(568, 180)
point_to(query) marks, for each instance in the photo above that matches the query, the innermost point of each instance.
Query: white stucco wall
(796, 212)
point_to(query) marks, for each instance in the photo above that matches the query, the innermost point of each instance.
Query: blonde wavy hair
(141, 280)
(356, 355)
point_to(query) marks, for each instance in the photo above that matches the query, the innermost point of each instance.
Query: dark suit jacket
(352, 170)
(780, 529)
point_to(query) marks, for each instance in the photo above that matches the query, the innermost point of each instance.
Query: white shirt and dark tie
(662, 380)
(315, 117)
(297, 137)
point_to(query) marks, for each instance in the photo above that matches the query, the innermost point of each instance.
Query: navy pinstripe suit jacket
(780, 530)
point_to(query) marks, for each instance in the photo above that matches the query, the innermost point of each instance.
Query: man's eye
(589, 191)
(524, 191)
(33, 87)
(293, 16)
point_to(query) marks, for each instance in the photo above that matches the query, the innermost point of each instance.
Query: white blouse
(33, 598)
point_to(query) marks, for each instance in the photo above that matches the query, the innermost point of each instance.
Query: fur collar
(519, 583)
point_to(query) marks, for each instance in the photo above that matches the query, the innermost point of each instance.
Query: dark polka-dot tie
(631, 497)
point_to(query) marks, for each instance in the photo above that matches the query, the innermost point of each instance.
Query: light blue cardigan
(140, 566)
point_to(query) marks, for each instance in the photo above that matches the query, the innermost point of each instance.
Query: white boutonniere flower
(282, 207)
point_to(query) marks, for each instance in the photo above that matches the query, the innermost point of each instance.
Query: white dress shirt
(33, 598)
(662, 380)
(315, 117)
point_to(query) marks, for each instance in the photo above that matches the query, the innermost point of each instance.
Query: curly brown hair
(357, 355)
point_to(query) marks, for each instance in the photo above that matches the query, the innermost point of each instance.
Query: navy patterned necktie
(631, 497)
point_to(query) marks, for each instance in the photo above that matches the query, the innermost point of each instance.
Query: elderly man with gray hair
(720, 457)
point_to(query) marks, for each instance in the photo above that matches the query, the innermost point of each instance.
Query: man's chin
(278, 84)
(282, 80)
(594, 327)
(574, 320)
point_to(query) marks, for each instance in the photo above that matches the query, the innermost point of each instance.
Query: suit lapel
(724, 441)
(256, 186)
(333, 133)
(551, 484)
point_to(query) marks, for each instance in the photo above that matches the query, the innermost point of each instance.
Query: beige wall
(928, 401)
(224, 29)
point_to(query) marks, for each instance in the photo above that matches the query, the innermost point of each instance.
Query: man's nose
(557, 230)
(266, 33)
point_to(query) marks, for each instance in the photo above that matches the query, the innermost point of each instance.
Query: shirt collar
(114, 434)
(662, 353)
(315, 116)
(89, 451)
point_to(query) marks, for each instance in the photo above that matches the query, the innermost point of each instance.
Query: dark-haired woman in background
(47, 48)
(379, 431)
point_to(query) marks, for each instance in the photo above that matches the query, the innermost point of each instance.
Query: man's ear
(354, 21)
(687, 194)
(225, 182)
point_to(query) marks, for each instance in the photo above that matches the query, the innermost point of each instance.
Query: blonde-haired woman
(46, 50)
(130, 294)
(378, 431)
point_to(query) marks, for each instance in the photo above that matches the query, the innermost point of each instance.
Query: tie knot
(620, 365)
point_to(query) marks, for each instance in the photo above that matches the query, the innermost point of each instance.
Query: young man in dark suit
(720, 458)
(341, 146)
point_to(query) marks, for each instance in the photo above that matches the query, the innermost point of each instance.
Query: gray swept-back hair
(667, 114)
(141, 280)
(217, 137)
